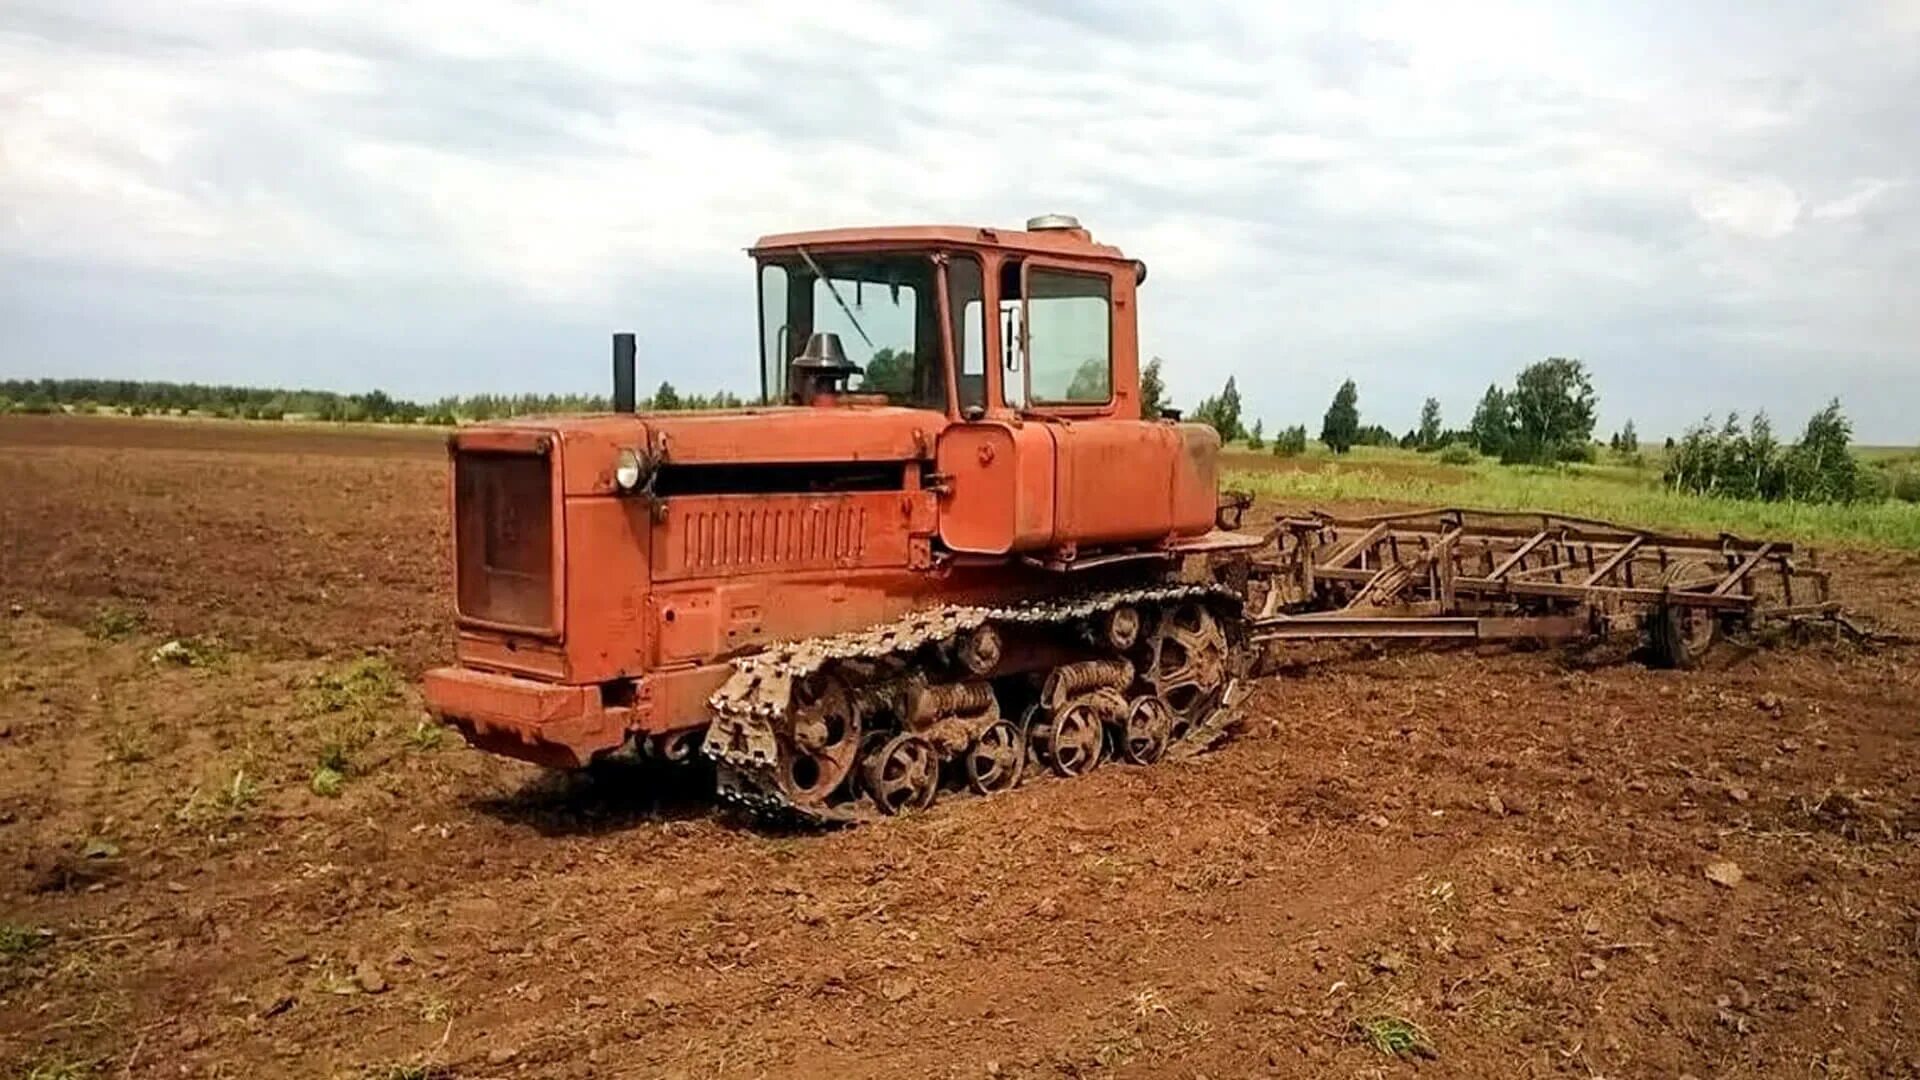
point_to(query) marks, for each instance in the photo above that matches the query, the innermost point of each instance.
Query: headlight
(626, 470)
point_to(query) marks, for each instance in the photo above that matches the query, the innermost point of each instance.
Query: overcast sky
(1715, 205)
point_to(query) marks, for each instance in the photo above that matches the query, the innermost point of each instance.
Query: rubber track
(752, 706)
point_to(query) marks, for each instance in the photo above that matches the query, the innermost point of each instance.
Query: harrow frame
(1487, 575)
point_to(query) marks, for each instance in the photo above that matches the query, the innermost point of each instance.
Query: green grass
(1394, 1036)
(114, 623)
(1629, 494)
(19, 942)
(58, 1069)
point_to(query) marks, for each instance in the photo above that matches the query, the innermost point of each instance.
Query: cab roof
(1073, 241)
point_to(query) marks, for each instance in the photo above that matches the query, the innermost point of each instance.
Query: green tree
(1492, 425)
(1153, 392)
(1223, 412)
(1553, 412)
(665, 399)
(1820, 467)
(1255, 440)
(1340, 428)
(889, 372)
(1428, 437)
(1090, 382)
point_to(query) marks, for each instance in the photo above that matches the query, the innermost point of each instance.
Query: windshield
(882, 306)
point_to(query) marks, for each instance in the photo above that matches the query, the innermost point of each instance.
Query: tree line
(139, 398)
(1547, 417)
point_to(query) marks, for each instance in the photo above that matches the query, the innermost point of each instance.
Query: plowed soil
(1504, 863)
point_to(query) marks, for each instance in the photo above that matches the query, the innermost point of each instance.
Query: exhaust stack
(623, 349)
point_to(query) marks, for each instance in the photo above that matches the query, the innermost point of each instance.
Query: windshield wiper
(817, 272)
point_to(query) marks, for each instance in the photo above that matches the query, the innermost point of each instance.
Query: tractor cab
(967, 322)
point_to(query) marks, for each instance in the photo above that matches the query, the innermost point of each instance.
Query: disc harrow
(1481, 575)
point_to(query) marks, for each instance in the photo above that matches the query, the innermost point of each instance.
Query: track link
(753, 711)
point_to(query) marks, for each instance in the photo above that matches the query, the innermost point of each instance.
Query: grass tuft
(1395, 1036)
(59, 1069)
(19, 942)
(237, 794)
(425, 736)
(327, 782)
(362, 688)
(406, 1071)
(111, 622)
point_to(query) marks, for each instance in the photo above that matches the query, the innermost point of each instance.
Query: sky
(1715, 205)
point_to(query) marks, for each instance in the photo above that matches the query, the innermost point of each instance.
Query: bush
(1873, 485)
(1457, 454)
(1906, 485)
(1290, 442)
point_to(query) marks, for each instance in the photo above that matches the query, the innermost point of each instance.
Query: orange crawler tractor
(969, 554)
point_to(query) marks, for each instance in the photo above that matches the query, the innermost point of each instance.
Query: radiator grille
(767, 537)
(503, 522)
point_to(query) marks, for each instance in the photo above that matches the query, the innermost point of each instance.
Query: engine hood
(590, 445)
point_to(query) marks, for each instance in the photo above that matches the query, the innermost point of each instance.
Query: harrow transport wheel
(825, 741)
(1145, 730)
(1679, 636)
(995, 760)
(1188, 667)
(1072, 741)
(903, 774)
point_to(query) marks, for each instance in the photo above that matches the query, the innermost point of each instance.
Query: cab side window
(966, 304)
(1069, 337)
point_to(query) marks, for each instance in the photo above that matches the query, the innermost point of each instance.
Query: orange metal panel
(1070, 242)
(607, 586)
(1001, 480)
(550, 724)
(844, 432)
(1115, 482)
(677, 700)
(1196, 479)
(718, 536)
(494, 650)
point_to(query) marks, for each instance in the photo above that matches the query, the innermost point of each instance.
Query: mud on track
(1507, 850)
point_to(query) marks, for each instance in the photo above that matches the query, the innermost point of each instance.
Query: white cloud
(1864, 194)
(1426, 195)
(1763, 208)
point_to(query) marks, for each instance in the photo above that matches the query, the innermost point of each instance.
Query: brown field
(1506, 850)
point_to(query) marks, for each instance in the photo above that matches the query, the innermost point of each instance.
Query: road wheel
(996, 759)
(903, 774)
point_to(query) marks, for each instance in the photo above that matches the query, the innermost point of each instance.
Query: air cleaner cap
(1052, 221)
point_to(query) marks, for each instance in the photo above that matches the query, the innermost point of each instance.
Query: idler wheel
(824, 743)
